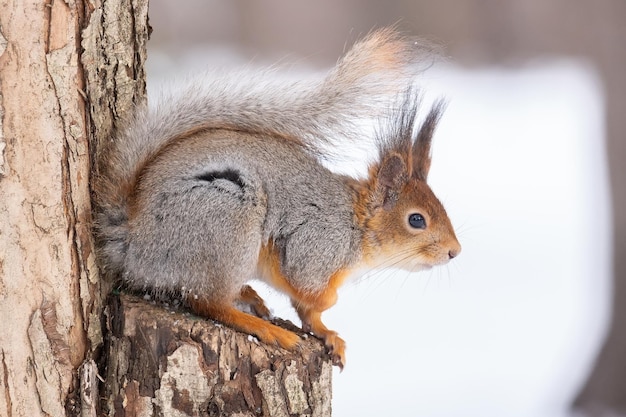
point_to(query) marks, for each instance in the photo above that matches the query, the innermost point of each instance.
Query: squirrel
(203, 193)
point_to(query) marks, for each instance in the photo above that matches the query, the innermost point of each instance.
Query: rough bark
(50, 294)
(45, 250)
(114, 44)
(164, 362)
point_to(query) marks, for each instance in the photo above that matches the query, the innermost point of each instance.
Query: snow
(510, 327)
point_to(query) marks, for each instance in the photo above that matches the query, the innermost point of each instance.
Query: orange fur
(269, 265)
(309, 305)
(247, 323)
(386, 233)
(250, 297)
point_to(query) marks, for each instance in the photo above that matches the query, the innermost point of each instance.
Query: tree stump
(162, 361)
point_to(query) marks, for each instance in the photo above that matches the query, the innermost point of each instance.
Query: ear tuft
(421, 145)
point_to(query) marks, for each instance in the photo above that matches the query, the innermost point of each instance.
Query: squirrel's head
(406, 225)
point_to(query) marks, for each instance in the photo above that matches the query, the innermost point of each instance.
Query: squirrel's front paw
(336, 349)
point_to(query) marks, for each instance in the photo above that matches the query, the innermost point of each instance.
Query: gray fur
(197, 234)
(189, 191)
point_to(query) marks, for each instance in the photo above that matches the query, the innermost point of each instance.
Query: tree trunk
(167, 363)
(50, 293)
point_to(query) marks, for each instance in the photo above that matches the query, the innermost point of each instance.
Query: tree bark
(50, 292)
(167, 363)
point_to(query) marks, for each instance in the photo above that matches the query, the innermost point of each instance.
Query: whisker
(393, 261)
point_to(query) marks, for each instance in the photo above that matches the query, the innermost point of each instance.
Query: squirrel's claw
(336, 349)
(338, 361)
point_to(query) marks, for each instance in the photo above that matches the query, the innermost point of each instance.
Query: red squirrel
(224, 184)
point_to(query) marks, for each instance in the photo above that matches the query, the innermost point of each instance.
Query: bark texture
(114, 44)
(168, 363)
(50, 293)
(45, 247)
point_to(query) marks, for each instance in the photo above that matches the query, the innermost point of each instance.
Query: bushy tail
(334, 109)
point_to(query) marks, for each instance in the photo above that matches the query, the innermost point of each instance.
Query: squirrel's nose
(454, 252)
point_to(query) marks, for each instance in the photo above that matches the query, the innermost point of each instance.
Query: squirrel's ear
(392, 175)
(421, 145)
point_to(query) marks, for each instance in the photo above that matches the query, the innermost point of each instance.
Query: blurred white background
(512, 327)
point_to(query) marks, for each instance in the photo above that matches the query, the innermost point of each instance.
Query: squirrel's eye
(417, 221)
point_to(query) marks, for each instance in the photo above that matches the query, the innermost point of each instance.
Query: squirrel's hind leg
(247, 323)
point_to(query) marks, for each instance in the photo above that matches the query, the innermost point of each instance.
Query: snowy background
(510, 327)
